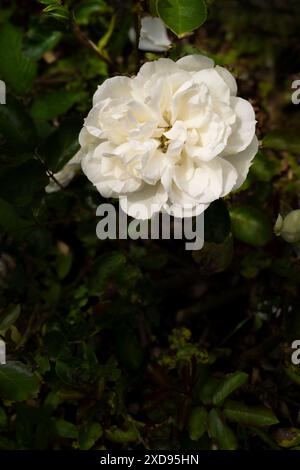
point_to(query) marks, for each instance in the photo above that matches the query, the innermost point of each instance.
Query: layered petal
(194, 63)
(244, 127)
(242, 161)
(144, 203)
(153, 35)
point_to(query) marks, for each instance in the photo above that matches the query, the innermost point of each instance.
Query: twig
(83, 39)
(48, 172)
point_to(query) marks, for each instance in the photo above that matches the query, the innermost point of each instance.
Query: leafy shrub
(141, 344)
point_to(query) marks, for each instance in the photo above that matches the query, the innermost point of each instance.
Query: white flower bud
(289, 227)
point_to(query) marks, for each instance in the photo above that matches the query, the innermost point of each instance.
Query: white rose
(174, 138)
(65, 175)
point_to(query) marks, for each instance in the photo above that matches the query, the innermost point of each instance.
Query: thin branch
(83, 39)
(48, 172)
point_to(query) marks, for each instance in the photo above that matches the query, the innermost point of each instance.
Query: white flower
(65, 175)
(289, 227)
(174, 138)
(153, 35)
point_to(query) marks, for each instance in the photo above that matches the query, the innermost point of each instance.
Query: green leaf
(115, 434)
(65, 429)
(278, 140)
(61, 145)
(89, 8)
(229, 385)
(182, 16)
(17, 382)
(19, 184)
(17, 126)
(43, 363)
(63, 265)
(9, 318)
(128, 349)
(16, 69)
(88, 435)
(207, 390)
(250, 415)
(264, 167)
(220, 432)
(57, 11)
(40, 42)
(216, 222)
(197, 423)
(113, 266)
(51, 105)
(11, 222)
(251, 225)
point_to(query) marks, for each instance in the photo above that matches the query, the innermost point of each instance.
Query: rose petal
(153, 35)
(194, 63)
(144, 203)
(242, 161)
(115, 87)
(244, 128)
(228, 79)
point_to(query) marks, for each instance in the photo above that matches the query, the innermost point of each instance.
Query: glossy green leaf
(220, 432)
(17, 126)
(88, 435)
(17, 382)
(51, 105)
(207, 390)
(16, 69)
(250, 415)
(182, 16)
(57, 11)
(264, 167)
(228, 385)
(65, 429)
(216, 222)
(61, 145)
(197, 423)
(251, 225)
